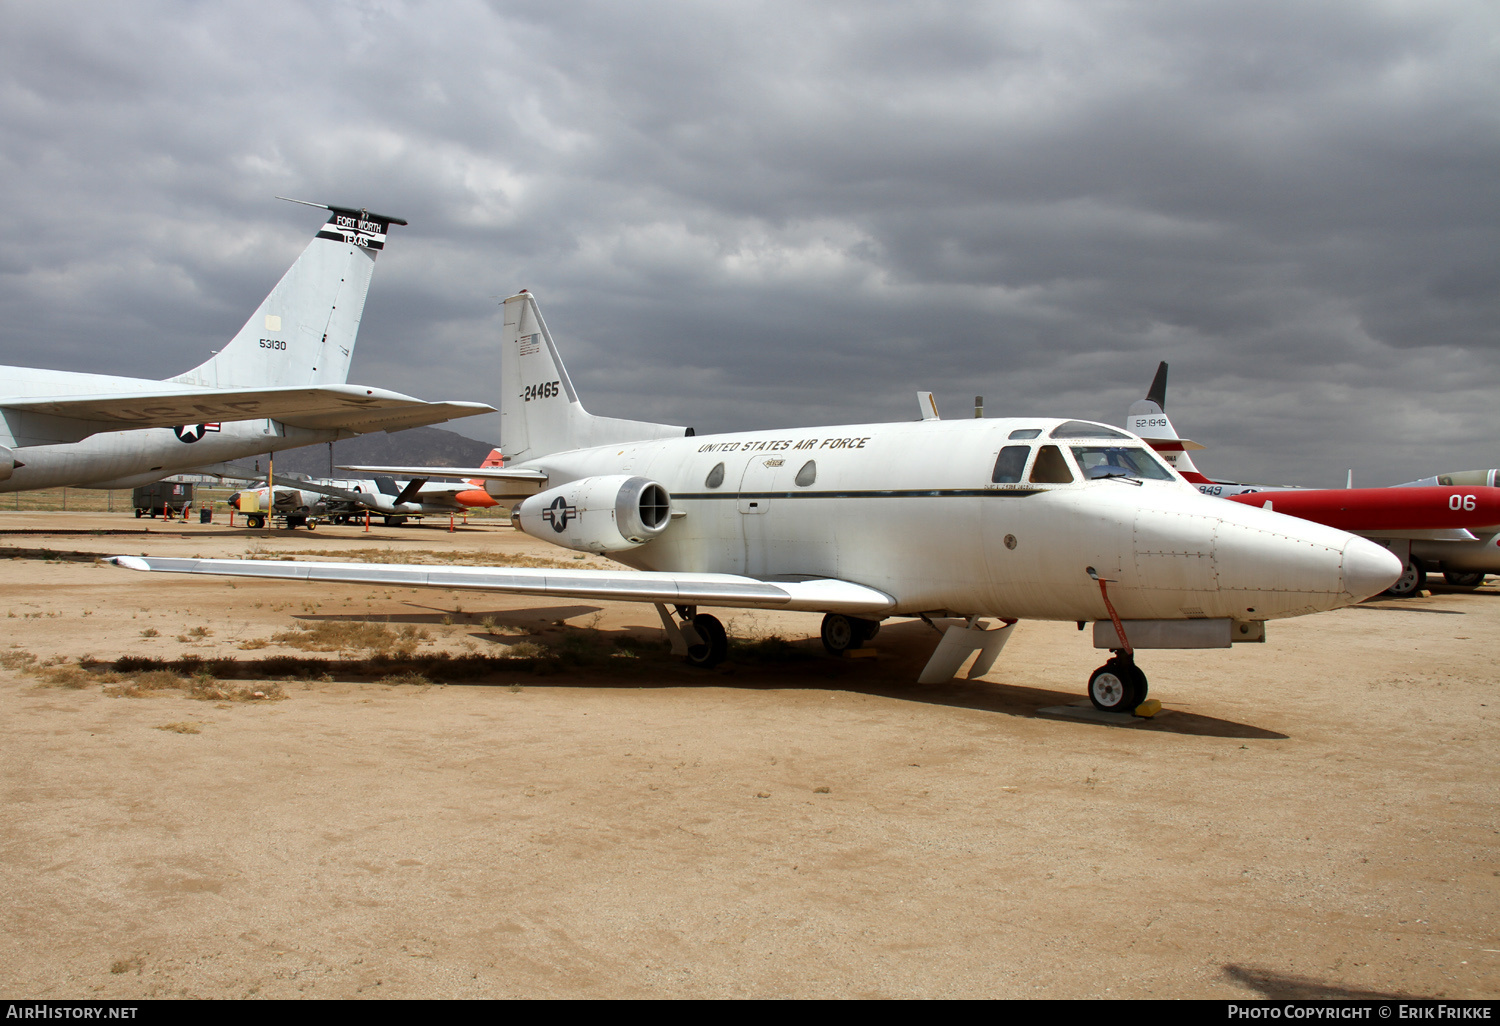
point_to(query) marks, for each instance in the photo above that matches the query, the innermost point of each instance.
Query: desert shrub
(772, 649)
(352, 636)
(73, 676)
(409, 678)
(15, 659)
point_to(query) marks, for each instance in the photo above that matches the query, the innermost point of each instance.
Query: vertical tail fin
(539, 408)
(1148, 418)
(303, 333)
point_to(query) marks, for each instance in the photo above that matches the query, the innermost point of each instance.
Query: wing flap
(818, 595)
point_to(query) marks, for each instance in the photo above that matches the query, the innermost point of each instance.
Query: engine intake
(597, 514)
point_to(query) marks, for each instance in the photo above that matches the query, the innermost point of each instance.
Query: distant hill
(415, 447)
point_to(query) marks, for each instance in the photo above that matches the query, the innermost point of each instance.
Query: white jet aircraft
(278, 384)
(949, 521)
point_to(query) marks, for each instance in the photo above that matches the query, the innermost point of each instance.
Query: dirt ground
(1312, 817)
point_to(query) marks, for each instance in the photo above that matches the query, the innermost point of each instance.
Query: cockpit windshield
(1098, 461)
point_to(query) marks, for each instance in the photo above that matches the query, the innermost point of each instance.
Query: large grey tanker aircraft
(948, 521)
(278, 384)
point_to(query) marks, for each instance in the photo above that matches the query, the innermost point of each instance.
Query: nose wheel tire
(715, 647)
(1412, 580)
(1117, 686)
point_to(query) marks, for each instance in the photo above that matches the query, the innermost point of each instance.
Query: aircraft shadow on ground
(1276, 986)
(1410, 609)
(755, 665)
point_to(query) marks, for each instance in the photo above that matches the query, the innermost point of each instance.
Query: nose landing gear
(1118, 685)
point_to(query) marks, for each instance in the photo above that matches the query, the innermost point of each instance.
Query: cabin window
(1009, 466)
(715, 476)
(1024, 433)
(808, 474)
(1117, 461)
(1051, 467)
(1083, 429)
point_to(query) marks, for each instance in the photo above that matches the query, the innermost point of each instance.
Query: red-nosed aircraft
(1450, 522)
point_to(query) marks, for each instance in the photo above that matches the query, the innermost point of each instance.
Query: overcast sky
(741, 215)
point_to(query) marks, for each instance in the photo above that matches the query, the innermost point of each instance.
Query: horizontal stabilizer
(688, 589)
(389, 418)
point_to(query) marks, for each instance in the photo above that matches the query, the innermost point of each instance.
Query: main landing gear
(713, 648)
(842, 633)
(1118, 685)
(1412, 580)
(699, 637)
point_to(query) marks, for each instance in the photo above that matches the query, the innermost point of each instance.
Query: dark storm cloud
(754, 214)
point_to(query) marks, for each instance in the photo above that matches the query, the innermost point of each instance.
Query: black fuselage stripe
(908, 493)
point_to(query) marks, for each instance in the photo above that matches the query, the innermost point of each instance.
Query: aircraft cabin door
(765, 476)
(758, 483)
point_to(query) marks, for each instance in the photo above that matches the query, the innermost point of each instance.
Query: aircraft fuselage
(913, 511)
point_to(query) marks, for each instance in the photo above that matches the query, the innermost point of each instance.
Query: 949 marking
(543, 391)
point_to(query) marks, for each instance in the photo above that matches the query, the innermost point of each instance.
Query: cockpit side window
(1011, 464)
(1119, 461)
(1051, 467)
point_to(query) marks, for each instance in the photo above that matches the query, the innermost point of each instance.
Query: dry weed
(353, 636)
(410, 677)
(75, 677)
(181, 728)
(17, 660)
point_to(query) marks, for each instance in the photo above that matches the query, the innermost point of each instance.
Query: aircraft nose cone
(1369, 569)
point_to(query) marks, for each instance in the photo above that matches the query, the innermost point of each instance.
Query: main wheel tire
(867, 629)
(1117, 686)
(1412, 580)
(1458, 580)
(715, 647)
(841, 633)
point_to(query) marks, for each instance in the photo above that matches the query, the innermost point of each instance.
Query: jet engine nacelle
(597, 514)
(8, 463)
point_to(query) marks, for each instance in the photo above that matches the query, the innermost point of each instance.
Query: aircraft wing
(355, 407)
(822, 594)
(493, 473)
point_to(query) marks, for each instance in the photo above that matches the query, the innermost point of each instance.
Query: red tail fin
(496, 458)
